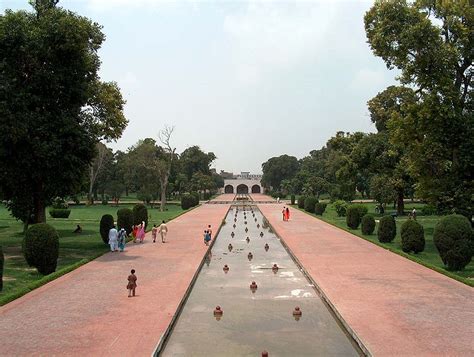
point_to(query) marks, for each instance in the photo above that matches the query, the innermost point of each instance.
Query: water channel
(258, 320)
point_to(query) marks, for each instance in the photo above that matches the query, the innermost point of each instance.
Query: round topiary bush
(453, 237)
(2, 261)
(363, 210)
(319, 208)
(367, 224)
(125, 219)
(140, 214)
(341, 208)
(196, 198)
(293, 199)
(310, 204)
(301, 200)
(187, 201)
(41, 248)
(352, 217)
(106, 224)
(59, 212)
(387, 229)
(413, 237)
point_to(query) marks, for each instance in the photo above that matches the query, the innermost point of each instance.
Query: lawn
(429, 257)
(74, 249)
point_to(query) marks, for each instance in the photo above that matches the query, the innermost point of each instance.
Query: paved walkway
(87, 312)
(395, 306)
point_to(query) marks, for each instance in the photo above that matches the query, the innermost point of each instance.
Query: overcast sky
(245, 80)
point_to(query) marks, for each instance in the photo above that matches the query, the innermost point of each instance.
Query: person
(113, 238)
(163, 230)
(141, 232)
(278, 199)
(284, 213)
(207, 237)
(209, 230)
(153, 233)
(132, 283)
(78, 229)
(287, 214)
(122, 239)
(135, 233)
(413, 213)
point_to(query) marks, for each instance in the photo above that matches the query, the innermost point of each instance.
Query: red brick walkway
(395, 306)
(87, 312)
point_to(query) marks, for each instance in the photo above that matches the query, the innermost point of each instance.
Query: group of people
(207, 235)
(138, 232)
(117, 239)
(286, 214)
(162, 230)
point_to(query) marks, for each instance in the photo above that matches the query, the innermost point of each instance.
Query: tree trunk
(164, 186)
(39, 213)
(400, 203)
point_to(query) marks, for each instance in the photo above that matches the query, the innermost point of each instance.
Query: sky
(245, 80)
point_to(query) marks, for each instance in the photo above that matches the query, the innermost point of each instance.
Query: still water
(254, 321)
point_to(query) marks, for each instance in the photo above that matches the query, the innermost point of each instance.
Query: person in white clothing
(113, 239)
(163, 230)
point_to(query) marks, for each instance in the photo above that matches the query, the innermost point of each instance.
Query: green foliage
(59, 213)
(193, 160)
(277, 169)
(49, 80)
(353, 216)
(367, 224)
(125, 219)
(413, 237)
(341, 208)
(293, 199)
(41, 248)
(428, 210)
(301, 200)
(188, 201)
(60, 203)
(2, 263)
(453, 237)
(381, 189)
(140, 214)
(387, 229)
(106, 224)
(310, 204)
(319, 208)
(105, 201)
(195, 195)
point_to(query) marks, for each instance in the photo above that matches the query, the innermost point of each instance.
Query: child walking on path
(153, 233)
(132, 283)
(207, 237)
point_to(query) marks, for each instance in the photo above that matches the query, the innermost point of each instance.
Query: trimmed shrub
(293, 199)
(60, 203)
(105, 202)
(106, 224)
(363, 210)
(319, 208)
(387, 229)
(428, 210)
(309, 204)
(196, 198)
(413, 237)
(341, 208)
(352, 216)
(453, 237)
(125, 219)
(367, 224)
(187, 201)
(41, 248)
(59, 212)
(207, 196)
(2, 261)
(140, 214)
(301, 200)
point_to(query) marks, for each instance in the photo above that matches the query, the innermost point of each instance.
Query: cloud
(268, 36)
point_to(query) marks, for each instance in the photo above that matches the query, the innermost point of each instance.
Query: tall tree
(193, 159)
(431, 42)
(53, 107)
(164, 167)
(277, 169)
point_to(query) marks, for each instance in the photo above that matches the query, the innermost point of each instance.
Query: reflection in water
(260, 319)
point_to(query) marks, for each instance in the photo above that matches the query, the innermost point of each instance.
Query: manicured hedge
(319, 208)
(413, 237)
(368, 224)
(363, 210)
(341, 208)
(59, 212)
(106, 224)
(187, 201)
(125, 219)
(387, 229)
(310, 203)
(2, 261)
(353, 216)
(41, 248)
(453, 237)
(293, 199)
(301, 200)
(140, 214)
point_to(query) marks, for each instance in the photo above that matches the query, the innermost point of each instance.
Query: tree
(193, 159)
(430, 42)
(164, 167)
(381, 189)
(53, 105)
(315, 186)
(277, 169)
(103, 155)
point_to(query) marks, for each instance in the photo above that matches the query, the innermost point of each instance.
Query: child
(135, 233)
(122, 239)
(153, 232)
(207, 237)
(132, 283)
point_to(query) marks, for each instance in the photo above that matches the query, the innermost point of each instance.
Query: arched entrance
(242, 189)
(256, 189)
(229, 189)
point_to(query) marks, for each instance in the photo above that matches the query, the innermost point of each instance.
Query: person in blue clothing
(207, 237)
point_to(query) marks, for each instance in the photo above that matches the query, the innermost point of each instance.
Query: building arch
(229, 189)
(242, 189)
(256, 189)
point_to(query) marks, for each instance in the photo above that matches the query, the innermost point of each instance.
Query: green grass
(429, 257)
(74, 249)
